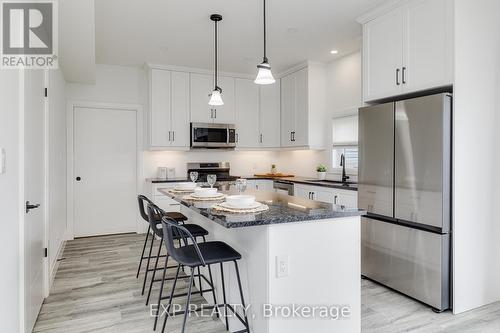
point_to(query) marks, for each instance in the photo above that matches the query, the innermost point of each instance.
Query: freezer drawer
(411, 261)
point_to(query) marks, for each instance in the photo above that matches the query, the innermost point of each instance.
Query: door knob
(78, 179)
(30, 206)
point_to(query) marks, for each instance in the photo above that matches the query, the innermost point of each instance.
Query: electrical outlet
(282, 266)
(3, 159)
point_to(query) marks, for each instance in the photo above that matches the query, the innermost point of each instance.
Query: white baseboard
(55, 267)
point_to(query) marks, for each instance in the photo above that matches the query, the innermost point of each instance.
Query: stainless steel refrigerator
(405, 185)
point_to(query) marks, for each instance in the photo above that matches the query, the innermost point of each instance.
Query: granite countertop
(299, 180)
(311, 181)
(282, 209)
(170, 180)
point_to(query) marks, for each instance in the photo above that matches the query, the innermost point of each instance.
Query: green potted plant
(321, 169)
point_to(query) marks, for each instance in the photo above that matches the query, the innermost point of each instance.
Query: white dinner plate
(205, 192)
(203, 196)
(255, 205)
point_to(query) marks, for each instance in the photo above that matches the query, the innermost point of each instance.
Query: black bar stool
(194, 256)
(197, 231)
(143, 200)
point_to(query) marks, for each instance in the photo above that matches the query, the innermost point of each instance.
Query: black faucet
(342, 164)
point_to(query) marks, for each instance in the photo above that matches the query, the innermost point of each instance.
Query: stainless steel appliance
(221, 169)
(283, 186)
(212, 136)
(405, 185)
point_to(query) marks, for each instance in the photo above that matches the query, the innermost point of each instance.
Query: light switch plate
(282, 266)
(3, 161)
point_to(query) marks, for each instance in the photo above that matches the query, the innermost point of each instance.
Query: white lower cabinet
(345, 198)
(161, 200)
(260, 184)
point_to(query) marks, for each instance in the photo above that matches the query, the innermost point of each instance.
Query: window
(351, 157)
(345, 141)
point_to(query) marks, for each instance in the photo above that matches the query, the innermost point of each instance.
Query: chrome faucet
(342, 164)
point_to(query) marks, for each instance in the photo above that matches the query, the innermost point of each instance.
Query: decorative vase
(273, 169)
(321, 175)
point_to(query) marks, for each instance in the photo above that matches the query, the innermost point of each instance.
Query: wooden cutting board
(275, 175)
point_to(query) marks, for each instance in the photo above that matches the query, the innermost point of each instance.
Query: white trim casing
(71, 105)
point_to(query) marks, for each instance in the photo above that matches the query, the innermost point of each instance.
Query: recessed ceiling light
(334, 51)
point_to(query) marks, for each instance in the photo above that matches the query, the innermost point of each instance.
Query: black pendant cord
(265, 38)
(216, 55)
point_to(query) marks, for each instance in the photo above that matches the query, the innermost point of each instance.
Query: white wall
(243, 163)
(343, 97)
(476, 231)
(10, 206)
(57, 165)
(114, 84)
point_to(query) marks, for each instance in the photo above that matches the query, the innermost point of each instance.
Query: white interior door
(34, 185)
(105, 163)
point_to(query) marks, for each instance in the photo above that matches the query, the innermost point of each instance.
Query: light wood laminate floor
(95, 290)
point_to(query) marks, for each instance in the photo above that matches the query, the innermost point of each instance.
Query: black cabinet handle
(397, 76)
(30, 206)
(404, 75)
(173, 136)
(169, 138)
(78, 179)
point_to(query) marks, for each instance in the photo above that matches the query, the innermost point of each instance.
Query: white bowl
(186, 186)
(240, 201)
(205, 192)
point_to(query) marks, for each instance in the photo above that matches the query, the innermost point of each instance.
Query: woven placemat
(259, 209)
(174, 191)
(190, 197)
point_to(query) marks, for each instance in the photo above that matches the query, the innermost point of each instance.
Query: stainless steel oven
(204, 135)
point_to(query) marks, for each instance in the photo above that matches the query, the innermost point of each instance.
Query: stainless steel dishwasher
(283, 186)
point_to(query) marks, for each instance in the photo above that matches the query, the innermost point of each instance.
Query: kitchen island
(300, 262)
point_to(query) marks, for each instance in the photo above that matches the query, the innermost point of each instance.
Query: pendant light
(216, 96)
(264, 75)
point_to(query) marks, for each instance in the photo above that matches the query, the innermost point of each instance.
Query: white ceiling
(179, 32)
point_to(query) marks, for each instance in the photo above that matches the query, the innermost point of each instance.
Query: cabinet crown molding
(381, 10)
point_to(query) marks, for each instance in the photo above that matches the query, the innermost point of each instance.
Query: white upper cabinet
(257, 114)
(428, 49)
(303, 108)
(180, 136)
(269, 113)
(383, 55)
(160, 108)
(201, 87)
(408, 49)
(288, 106)
(247, 113)
(169, 117)
(225, 114)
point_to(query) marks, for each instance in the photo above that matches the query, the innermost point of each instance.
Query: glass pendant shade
(264, 76)
(216, 98)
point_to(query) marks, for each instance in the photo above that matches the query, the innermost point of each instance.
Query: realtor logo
(29, 38)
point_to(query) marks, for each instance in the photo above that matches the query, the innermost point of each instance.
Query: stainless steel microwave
(205, 135)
